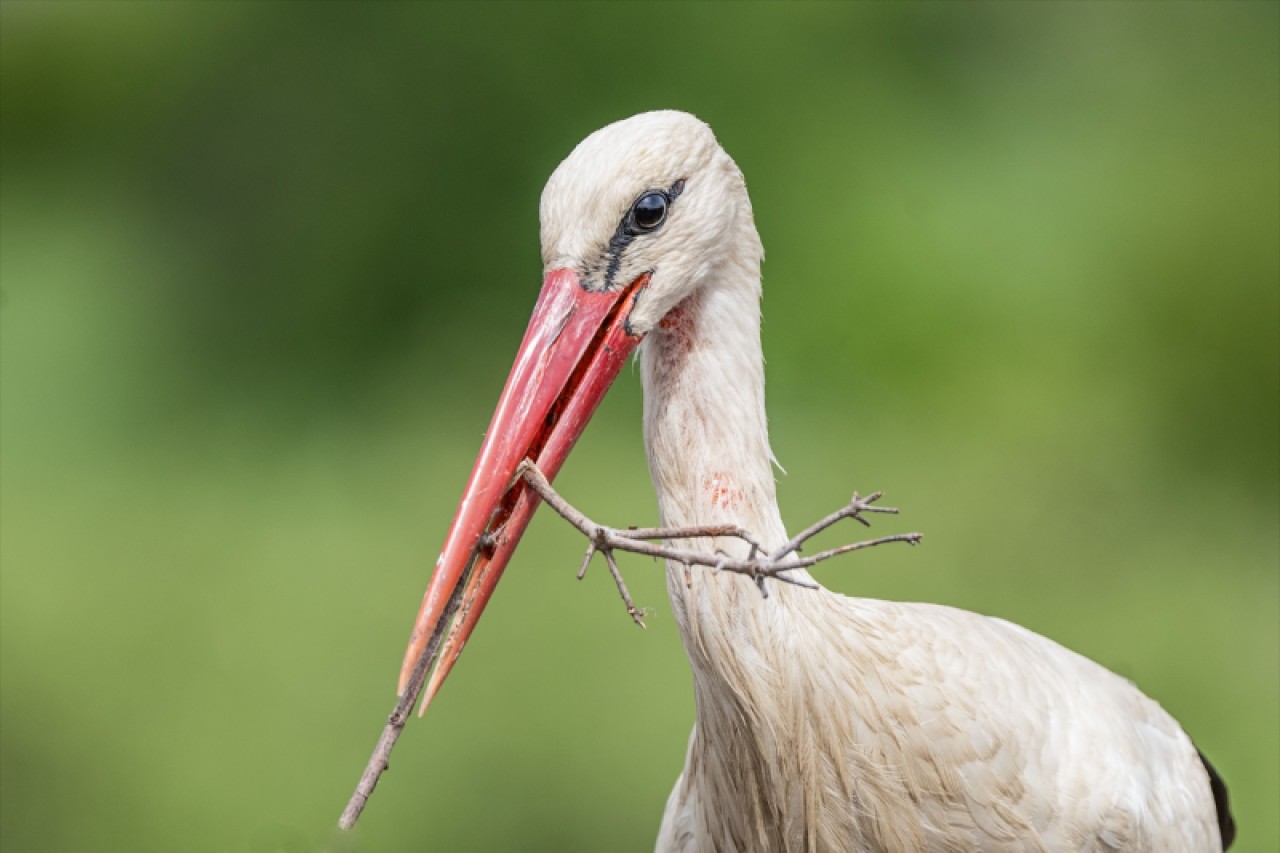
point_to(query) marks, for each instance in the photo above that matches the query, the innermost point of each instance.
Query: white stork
(824, 723)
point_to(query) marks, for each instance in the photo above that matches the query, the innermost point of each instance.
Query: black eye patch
(645, 216)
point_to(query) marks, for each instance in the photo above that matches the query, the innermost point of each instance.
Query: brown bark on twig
(758, 566)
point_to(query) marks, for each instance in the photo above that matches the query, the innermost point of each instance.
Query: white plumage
(828, 723)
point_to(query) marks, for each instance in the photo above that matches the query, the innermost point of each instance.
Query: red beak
(576, 344)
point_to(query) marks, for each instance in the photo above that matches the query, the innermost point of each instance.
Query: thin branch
(636, 614)
(856, 506)
(707, 531)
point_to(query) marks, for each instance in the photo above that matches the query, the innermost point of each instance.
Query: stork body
(832, 723)
(824, 723)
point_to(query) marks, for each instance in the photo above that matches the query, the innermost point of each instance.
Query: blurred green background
(264, 266)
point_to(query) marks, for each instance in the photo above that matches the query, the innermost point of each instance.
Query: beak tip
(437, 678)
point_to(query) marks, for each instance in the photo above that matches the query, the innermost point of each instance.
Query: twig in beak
(757, 566)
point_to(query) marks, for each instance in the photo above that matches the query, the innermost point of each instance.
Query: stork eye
(649, 211)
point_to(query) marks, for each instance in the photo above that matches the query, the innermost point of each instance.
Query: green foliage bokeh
(262, 270)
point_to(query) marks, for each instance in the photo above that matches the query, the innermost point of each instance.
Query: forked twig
(757, 565)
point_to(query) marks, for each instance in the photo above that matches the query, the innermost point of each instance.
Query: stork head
(636, 218)
(653, 195)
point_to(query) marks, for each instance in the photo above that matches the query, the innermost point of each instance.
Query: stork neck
(705, 427)
(708, 445)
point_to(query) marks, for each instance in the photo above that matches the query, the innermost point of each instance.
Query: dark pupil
(649, 211)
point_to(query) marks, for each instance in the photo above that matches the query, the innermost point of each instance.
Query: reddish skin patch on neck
(673, 340)
(722, 491)
(678, 329)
